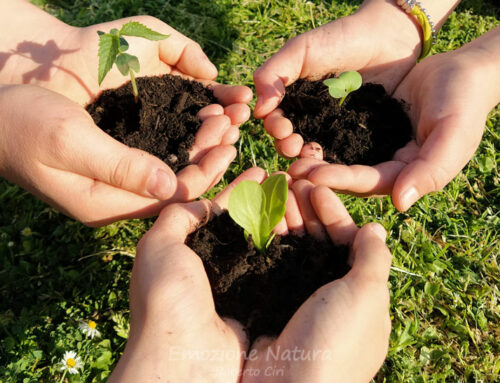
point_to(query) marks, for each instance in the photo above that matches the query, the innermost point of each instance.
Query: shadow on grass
(481, 7)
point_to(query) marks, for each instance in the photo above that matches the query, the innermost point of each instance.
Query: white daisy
(90, 329)
(71, 363)
(26, 231)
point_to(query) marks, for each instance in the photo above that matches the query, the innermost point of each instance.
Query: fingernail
(379, 231)
(409, 197)
(160, 184)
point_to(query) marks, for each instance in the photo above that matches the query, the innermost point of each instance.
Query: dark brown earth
(367, 129)
(164, 120)
(263, 291)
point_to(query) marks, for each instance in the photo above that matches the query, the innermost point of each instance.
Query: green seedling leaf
(108, 50)
(134, 28)
(346, 83)
(276, 191)
(123, 45)
(126, 62)
(246, 205)
(259, 208)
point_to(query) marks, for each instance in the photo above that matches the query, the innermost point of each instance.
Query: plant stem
(134, 85)
(63, 376)
(342, 100)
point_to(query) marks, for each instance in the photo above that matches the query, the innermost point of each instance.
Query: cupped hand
(50, 146)
(341, 333)
(448, 101)
(383, 52)
(175, 332)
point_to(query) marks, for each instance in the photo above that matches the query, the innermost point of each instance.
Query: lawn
(445, 279)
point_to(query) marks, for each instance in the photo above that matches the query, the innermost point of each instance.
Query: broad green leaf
(246, 205)
(108, 49)
(134, 28)
(276, 191)
(125, 62)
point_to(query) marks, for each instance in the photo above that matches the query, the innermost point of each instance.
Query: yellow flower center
(92, 324)
(71, 363)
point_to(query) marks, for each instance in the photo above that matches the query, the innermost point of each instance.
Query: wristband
(416, 9)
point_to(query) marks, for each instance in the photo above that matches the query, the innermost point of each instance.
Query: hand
(172, 310)
(449, 102)
(379, 40)
(53, 149)
(345, 323)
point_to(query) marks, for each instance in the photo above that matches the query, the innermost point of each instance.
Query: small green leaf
(246, 206)
(352, 80)
(125, 62)
(108, 50)
(123, 45)
(134, 28)
(276, 191)
(346, 83)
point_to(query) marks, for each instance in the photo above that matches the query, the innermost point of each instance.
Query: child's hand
(50, 146)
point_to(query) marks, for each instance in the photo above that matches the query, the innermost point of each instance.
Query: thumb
(279, 71)
(174, 224)
(444, 153)
(96, 155)
(372, 258)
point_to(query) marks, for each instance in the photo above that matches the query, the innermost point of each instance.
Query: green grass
(445, 281)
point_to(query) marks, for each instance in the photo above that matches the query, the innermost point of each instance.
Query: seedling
(112, 48)
(346, 83)
(259, 208)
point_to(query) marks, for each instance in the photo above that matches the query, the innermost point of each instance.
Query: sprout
(259, 208)
(112, 48)
(346, 83)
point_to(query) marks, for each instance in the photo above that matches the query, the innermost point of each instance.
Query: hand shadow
(45, 55)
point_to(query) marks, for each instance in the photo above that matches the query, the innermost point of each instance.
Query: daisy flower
(90, 329)
(71, 363)
(26, 232)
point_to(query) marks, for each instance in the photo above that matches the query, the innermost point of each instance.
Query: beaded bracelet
(415, 8)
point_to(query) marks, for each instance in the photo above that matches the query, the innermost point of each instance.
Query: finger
(291, 146)
(359, 180)
(220, 201)
(209, 136)
(177, 221)
(231, 136)
(186, 55)
(98, 204)
(81, 147)
(210, 111)
(238, 113)
(293, 217)
(372, 258)
(303, 166)
(333, 215)
(312, 150)
(278, 126)
(232, 94)
(279, 71)
(302, 190)
(444, 153)
(194, 180)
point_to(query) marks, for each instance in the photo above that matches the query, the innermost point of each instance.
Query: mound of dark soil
(367, 129)
(263, 291)
(164, 120)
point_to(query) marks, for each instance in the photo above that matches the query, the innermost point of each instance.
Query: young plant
(346, 83)
(112, 48)
(259, 208)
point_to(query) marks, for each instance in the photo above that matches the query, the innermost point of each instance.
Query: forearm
(406, 26)
(484, 53)
(30, 40)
